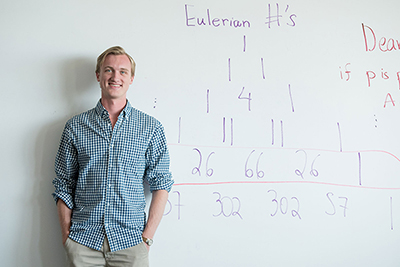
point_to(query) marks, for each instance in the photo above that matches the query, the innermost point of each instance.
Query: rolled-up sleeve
(157, 162)
(66, 169)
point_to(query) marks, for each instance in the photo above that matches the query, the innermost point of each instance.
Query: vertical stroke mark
(262, 68)
(391, 213)
(231, 131)
(208, 100)
(244, 43)
(223, 129)
(359, 168)
(282, 133)
(273, 132)
(291, 98)
(179, 130)
(229, 68)
(340, 137)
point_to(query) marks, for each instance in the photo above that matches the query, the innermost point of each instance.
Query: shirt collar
(101, 111)
(128, 109)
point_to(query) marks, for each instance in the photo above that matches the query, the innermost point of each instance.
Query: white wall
(304, 115)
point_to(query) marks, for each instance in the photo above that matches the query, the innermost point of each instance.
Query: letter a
(388, 101)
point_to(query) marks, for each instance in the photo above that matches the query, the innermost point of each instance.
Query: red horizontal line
(285, 182)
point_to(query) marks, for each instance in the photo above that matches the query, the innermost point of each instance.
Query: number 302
(283, 205)
(226, 202)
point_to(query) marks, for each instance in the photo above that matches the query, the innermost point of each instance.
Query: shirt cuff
(162, 183)
(64, 197)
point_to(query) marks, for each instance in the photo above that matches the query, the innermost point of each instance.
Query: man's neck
(114, 108)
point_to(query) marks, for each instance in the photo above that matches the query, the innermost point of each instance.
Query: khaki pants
(82, 256)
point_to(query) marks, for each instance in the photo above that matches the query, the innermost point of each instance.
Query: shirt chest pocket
(131, 160)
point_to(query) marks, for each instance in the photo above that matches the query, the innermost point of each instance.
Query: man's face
(115, 77)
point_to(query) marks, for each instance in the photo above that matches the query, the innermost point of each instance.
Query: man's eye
(107, 70)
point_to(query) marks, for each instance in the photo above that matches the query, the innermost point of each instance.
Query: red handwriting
(389, 99)
(384, 44)
(384, 75)
(372, 75)
(347, 72)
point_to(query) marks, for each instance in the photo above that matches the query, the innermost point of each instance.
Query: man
(105, 154)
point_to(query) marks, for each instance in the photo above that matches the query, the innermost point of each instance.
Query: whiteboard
(281, 119)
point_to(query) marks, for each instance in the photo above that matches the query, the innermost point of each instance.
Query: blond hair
(115, 50)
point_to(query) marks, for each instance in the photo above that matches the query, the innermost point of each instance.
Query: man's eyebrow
(109, 67)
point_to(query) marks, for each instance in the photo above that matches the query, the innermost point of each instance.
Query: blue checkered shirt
(100, 173)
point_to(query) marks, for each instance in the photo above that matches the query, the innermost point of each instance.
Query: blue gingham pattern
(100, 174)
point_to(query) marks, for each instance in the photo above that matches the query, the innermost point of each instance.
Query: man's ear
(98, 76)
(132, 79)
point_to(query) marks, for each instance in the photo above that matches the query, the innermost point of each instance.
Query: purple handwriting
(248, 172)
(229, 70)
(291, 98)
(209, 20)
(343, 200)
(313, 171)
(391, 213)
(230, 202)
(262, 69)
(245, 98)
(340, 137)
(179, 129)
(224, 132)
(273, 132)
(169, 205)
(196, 170)
(208, 100)
(277, 18)
(359, 168)
(282, 205)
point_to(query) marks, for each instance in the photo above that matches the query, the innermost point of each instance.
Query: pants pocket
(67, 242)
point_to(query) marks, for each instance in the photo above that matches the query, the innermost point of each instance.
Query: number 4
(245, 98)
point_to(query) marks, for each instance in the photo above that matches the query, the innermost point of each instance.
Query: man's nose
(115, 75)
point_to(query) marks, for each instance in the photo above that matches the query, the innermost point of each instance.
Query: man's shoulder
(81, 117)
(144, 118)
